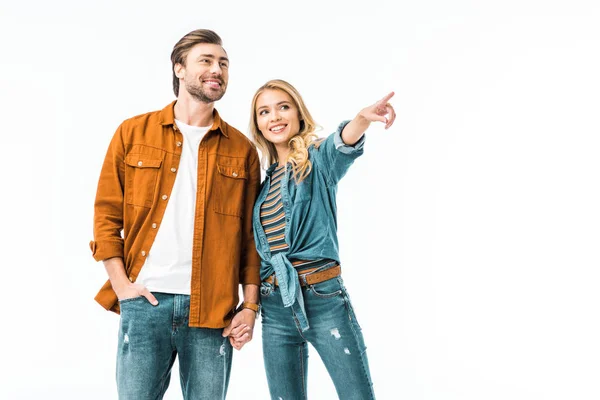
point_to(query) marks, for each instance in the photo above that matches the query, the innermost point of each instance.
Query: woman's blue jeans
(150, 337)
(334, 332)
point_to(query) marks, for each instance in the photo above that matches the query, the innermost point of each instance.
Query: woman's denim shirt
(310, 216)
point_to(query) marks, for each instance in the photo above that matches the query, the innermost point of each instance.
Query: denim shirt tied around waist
(310, 216)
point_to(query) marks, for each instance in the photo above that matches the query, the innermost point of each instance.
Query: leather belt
(309, 277)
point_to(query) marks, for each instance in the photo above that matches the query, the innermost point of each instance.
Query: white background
(469, 231)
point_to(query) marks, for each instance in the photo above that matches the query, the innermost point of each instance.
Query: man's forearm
(251, 293)
(116, 273)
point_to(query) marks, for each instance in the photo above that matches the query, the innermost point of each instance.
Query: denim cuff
(343, 147)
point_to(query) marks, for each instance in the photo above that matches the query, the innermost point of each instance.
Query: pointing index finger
(386, 98)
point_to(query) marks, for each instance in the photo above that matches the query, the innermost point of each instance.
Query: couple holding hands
(182, 219)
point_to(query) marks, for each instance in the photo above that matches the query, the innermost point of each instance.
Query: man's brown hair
(181, 49)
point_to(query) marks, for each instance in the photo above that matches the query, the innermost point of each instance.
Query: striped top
(272, 218)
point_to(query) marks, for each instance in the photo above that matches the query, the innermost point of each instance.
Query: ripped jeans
(150, 337)
(334, 332)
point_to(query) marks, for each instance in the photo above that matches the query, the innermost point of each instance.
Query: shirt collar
(272, 168)
(167, 117)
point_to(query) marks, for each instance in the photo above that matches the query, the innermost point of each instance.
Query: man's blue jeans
(334, 332)
(150, 337)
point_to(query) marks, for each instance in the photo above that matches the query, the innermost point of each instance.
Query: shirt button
(173, 169)
(154, 225)
(234, 174)
(143, 253)
(164, 197)
(140, 163)
(130, 279)
(178, 144)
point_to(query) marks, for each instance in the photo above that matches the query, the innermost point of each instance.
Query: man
(180, 183)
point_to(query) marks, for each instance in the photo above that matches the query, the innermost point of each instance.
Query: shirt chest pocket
(229, 187)
(141, 173)
(301, 192)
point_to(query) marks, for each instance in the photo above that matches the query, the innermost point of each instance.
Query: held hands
(379, 110)
(240, 329)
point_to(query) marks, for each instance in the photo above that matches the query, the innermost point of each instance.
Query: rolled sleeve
(104, 250)
(334, 157)
(108, 207)
(250, 264)
(339, 144)
(250, 275)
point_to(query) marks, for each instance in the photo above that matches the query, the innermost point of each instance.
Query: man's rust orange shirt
(135, 185)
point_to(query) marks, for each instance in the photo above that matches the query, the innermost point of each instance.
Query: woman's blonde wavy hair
(299, 144)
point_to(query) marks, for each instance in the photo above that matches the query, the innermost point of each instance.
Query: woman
(303, 298)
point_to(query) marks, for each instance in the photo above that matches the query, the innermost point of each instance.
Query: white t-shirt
(168, 266)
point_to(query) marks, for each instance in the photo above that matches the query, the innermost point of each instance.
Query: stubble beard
(205, 96)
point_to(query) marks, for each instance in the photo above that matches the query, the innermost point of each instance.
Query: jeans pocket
(329, 288)
(130, 300)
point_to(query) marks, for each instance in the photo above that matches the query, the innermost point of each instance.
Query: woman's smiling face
(277, 118)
